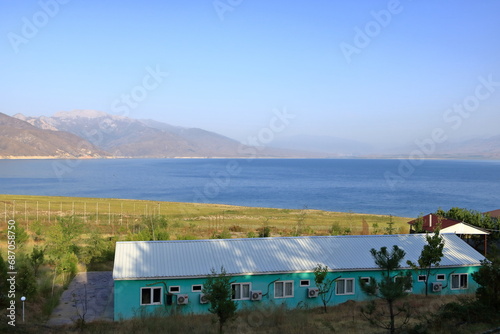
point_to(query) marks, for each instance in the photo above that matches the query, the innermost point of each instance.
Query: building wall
(128, 292)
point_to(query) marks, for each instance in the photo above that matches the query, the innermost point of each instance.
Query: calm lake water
(394, 187)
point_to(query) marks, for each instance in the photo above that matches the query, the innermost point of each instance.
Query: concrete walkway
(98, 288)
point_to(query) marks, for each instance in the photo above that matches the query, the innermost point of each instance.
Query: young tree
(390, 229)
(36, 258)
(431, 256)
(25, 279)
(21, 237)
(392, 287)
(323, 284)
(488, 277)
(217, 290)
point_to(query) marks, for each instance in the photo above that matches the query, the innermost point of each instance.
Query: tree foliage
(472, 217)
(63, 237)
(217, 290)
(37, 258)
(392, 287)
(475, 218)
(323, 284)
(431, 256)
(25, 279)
(390, 229)
(21, 237)
(488, 277)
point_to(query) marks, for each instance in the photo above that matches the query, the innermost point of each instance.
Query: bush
(225, 234)
(236, 228)
(264, 232)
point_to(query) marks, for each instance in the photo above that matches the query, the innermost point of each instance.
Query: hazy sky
(379, 71)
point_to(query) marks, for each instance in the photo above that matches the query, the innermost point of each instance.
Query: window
(240, 291)
(197, 288)
(441, 277)
(365, 279)
(283, 289)
(422, 278)
(151, 296)
(304, 282)
(458, 281)
(345, 286)
(174, 289)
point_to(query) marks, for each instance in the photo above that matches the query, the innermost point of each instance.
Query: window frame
(441, 279)
(174, 287)
(200, 289)
(422, 280)
(151, 295)
(345, 293)
(284, 283)
(365, 279)
(460, 286)
(241, 284)
(305, 282)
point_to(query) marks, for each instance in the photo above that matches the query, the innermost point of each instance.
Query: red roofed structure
(493, 214)
(432, 221)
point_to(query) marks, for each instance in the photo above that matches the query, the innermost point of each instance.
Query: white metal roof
(196, 258)
(463, 228)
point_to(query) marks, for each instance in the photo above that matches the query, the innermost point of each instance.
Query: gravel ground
(98, 288)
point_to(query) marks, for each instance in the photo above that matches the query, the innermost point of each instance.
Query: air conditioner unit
(437, 286)
(203, 299)
(256, 295)
(182, 299)
(312, 292)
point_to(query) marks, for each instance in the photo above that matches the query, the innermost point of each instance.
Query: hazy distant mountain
(62, 135)
(127, 137)
(477, 148)
(21, 139)
(472, 148)
(327, 145)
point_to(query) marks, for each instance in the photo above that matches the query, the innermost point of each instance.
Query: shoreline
(246, 158)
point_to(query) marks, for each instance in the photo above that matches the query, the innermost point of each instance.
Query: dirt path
(97, 286)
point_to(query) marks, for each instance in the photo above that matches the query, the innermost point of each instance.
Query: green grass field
(120, 216)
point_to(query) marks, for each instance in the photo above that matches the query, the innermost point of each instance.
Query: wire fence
(100, 213)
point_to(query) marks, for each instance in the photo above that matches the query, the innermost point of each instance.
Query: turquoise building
(168, 276)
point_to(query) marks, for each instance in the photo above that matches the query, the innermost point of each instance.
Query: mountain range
(95, 134)
(104, 135)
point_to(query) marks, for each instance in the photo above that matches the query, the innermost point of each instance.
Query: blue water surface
(396, 187)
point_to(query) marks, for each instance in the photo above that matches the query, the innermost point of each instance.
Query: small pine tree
(37, 258)
(392, 287)
(217, 290)
(390, 229)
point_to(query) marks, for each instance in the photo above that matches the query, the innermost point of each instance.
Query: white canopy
(463, 228)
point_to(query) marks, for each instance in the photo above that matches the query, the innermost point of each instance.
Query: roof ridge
(274, 238)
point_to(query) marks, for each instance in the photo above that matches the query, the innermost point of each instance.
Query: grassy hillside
(120, 217)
